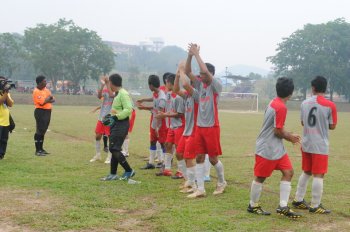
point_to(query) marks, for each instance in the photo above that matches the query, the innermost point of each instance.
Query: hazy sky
(229, 32)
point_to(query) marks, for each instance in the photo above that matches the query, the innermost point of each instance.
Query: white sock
(207, 165)
(255, 192)
(200, 176)
(125, 147)
(168, 157)
(285, 188)
(98, 147)
(191, 175)
(159, 152)
(219, 167)
(162, 156)
(302, 186)
(317, 190)
(181, 166)
(152, 154)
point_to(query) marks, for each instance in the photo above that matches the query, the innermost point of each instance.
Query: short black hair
(116, 79)
(320, 84)
(165, 76)
(171, 78)
(211, 68)
(284, 87)
(39, 79)
(154, 81)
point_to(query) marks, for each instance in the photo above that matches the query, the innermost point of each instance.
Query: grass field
(62, 192)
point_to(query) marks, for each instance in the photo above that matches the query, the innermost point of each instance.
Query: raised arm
(3, 97)
(206, 76)
(189, 89)
(9, 101)
(180, 74)
(99, 91)
(188, 68)
(111, 94)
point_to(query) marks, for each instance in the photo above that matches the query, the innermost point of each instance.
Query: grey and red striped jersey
(317, 113)
(268, 145)
(176, 106)
(208, 103)
(159, 103)
(191, 111)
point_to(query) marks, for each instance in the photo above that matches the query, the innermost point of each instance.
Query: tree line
(66, 51)
(317, 49)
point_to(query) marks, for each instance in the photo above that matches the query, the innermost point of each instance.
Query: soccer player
(317, 116)
(270, 152)
(208, 129)
(119, 126)
(105, 137)
(186, 146)
(43, 100)
(105, 93)
(174, 116)
(161, 150)
(157, 126)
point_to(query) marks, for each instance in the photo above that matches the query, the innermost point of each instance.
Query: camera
(6, 84)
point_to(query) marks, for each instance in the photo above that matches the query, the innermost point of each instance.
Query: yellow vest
(5, 114)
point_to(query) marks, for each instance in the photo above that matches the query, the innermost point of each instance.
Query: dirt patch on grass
(15, 203)
(332, 226)
(136, 219)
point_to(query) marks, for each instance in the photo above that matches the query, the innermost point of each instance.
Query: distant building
(119, 48)
(154, 44)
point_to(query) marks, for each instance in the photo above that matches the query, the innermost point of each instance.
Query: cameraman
(43, 100)
(5, 102)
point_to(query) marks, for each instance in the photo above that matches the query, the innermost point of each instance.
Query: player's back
(268, 145)
(317, 113)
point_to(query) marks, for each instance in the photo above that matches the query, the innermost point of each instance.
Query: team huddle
(184, 122)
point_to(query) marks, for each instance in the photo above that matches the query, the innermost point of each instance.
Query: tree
(322, 49)
(66, 51)
(10, 54)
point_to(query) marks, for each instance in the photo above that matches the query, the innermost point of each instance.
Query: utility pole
(226, 73)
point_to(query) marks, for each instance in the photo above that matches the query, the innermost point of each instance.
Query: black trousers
(119, 131)
(42, 118)
(4, 136)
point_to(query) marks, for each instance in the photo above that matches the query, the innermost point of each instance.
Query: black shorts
(119, 131)
(42, 118)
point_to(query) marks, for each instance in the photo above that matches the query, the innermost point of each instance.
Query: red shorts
(102, 129)
(207, 141)
(174, 135)
(264, 167)
(186, 147)
(132, 120)
(314, 163)
(162, 134)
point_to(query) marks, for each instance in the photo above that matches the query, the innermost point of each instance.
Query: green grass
(62, 191)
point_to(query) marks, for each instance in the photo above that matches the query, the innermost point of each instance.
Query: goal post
(245, 102)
